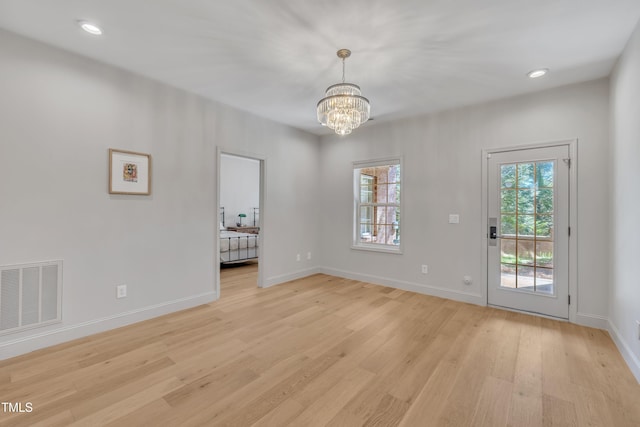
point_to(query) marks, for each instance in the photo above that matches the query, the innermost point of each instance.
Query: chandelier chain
(342, 70)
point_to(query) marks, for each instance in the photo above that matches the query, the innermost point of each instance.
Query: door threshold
(532, 313)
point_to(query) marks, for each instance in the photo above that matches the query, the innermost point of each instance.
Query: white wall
(59, 114)
(625, 197)
(442, 170)
(239, 188)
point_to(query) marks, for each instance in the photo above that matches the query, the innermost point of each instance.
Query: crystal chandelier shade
(343, 108)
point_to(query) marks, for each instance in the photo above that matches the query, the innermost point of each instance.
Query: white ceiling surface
(275, 58)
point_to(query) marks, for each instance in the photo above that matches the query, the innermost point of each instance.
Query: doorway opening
(239, 235)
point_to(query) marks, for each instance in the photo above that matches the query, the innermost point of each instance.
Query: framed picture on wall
(129, 172)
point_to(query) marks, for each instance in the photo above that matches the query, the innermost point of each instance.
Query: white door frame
(216, 235)
(573, 217)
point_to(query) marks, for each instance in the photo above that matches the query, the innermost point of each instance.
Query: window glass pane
(390, 235)
(391, 214)
(508, 225)
(507, 176)
(366, 215)
(525, 279)
(395, 234)
(508, 251)
(381, 216)
(525, 225)
(382, 174)
(544, 226)
(381, 193)
(394, 174)
(544, 200)
(366, 188)
(544, 254)
(525, 175)
(526, 201)
(508, 201)
(544, 174)
(368, 171)
(365, 233)
(526, 252)
(393, 193)
(380, 236)
(544, 281)
(366, 196)
(508, 275)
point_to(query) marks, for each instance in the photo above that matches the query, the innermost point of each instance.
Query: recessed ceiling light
(537, 73)
(90, 28)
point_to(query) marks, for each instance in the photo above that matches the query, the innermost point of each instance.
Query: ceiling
(275, 58)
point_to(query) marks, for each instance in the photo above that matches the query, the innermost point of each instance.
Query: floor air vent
(30, 295)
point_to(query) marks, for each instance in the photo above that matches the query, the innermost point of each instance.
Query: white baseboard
(420, 288)
(276, 280)
(632, 361)
(592, 321)
(55, 336)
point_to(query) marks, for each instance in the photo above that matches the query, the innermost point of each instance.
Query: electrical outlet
(309, 255)
(425, 268)
(298, 257)
(121, 291)
(454, 219)
(467, 280)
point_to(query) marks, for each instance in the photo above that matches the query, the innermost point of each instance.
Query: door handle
(493, 232)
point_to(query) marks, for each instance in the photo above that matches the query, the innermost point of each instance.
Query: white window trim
(356, 244)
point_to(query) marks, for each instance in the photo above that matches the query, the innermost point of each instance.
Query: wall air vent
(30, 295)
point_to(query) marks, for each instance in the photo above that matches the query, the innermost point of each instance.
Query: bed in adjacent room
(237, 246)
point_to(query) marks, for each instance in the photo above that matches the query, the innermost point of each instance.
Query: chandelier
(343, 108)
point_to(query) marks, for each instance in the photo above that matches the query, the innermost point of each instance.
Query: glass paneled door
(528, 230)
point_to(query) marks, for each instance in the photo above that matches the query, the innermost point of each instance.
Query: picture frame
(129, 172)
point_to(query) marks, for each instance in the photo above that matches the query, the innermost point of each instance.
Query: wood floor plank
(282, 415)
(492, 409)
(329, 403)
(430, 402)
(526, 400)
(478, 356)
(112, 394)
(140, 418)
(388, 413)
(209, 412)
(61, 419)
(558, 412)
(504, 366)
(556, 381)
(132, 404)
(328, 351)
(591, 407)
(336, 373)
(281, 391)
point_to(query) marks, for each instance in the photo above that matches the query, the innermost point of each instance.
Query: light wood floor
(328, 351)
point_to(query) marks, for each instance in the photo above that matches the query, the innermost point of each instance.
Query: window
(377, 205)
